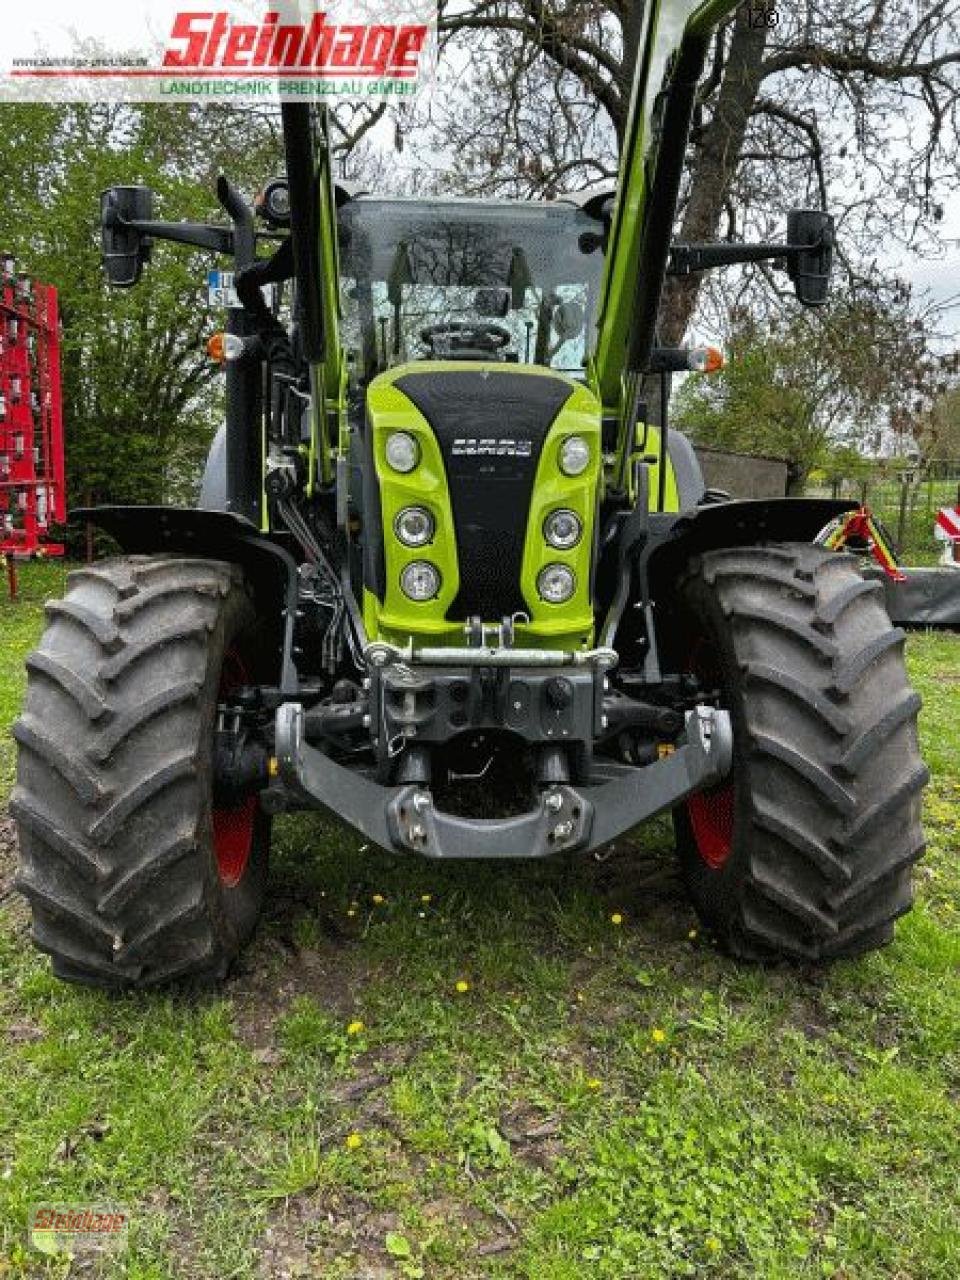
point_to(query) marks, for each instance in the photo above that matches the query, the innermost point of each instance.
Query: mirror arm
(198, 234)
(243, 240)
(687, 259)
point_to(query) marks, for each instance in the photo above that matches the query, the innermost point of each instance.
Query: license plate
(220, 290)
(221, 293)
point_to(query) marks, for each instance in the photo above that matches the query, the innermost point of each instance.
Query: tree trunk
(716, 163)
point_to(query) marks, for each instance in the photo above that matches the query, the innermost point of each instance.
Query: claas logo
(201, 41)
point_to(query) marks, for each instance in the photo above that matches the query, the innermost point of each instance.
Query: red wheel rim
(711, 820)
(711, 813)
(233, 840)
(233, 829)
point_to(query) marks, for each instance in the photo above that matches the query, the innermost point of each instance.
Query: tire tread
(825, 851)
(120, 895)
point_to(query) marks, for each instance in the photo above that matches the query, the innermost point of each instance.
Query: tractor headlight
(420, 580)
(556, 583)
(414, 526)
(403, 452)
(562, 529)
(574, 456)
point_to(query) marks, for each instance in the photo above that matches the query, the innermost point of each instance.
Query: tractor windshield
(457, 279)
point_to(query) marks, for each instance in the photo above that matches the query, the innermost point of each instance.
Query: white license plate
(220, 290)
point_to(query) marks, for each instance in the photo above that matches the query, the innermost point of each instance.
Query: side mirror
(810, 234)
(125, 248)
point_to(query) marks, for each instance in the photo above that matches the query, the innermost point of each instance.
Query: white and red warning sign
(230, 50)
(947, 527)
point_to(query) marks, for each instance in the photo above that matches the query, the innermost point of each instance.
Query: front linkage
(558, 707)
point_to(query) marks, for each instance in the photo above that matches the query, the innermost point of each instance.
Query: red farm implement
(31, 419)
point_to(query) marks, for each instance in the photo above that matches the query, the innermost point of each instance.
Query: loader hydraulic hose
(301, 175)
(244, 388)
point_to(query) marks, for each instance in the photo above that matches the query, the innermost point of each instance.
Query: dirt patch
(534, 1135)
(272, 974)
(311, 1231)
(646, 885)
(8, 856)
(13, 905)
(23, 1032)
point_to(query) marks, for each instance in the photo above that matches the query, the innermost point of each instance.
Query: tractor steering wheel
(462, 336)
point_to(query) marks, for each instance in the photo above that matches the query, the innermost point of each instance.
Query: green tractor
(450, 581)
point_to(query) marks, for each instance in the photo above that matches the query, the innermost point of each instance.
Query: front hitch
(582, 817)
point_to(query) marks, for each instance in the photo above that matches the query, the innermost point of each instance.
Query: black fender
(219, 535)
(664, 544)
(674, 540)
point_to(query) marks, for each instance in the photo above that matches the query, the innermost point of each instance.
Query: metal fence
(906, 500)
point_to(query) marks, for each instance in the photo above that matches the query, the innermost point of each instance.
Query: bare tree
(853, 105)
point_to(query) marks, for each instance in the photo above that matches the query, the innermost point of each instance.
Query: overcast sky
(940, 277)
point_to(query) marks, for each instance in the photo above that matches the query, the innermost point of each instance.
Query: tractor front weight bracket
(566, 817)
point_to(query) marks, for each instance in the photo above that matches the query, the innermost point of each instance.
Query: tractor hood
(488, 440)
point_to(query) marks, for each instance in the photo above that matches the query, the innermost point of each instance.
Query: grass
(611, 1100)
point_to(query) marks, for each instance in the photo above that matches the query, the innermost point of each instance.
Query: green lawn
(610, 1100)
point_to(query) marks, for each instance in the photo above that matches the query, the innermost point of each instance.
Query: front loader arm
(674, 39)
(313, 232)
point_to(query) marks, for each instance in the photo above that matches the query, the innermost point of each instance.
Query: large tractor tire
(806, 851)
(134, 876)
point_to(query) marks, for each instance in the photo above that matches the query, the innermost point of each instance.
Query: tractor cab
(463, 280)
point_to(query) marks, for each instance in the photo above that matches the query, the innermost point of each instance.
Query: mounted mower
(440, 538)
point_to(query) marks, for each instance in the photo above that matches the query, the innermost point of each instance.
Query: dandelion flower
(593, 1083)
(378, 899)
(463, 986)
(353, 1141)
(426, 898)
(616, 918)
(354, 1028)
(713, 1244)
(658, 1035)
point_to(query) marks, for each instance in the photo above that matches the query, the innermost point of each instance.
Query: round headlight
(574, 456)
(420, 580)
(562, 529)
(414, 526)
(403, 452)
(556, 583)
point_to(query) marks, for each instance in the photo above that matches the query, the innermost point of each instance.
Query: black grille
(491, 427)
